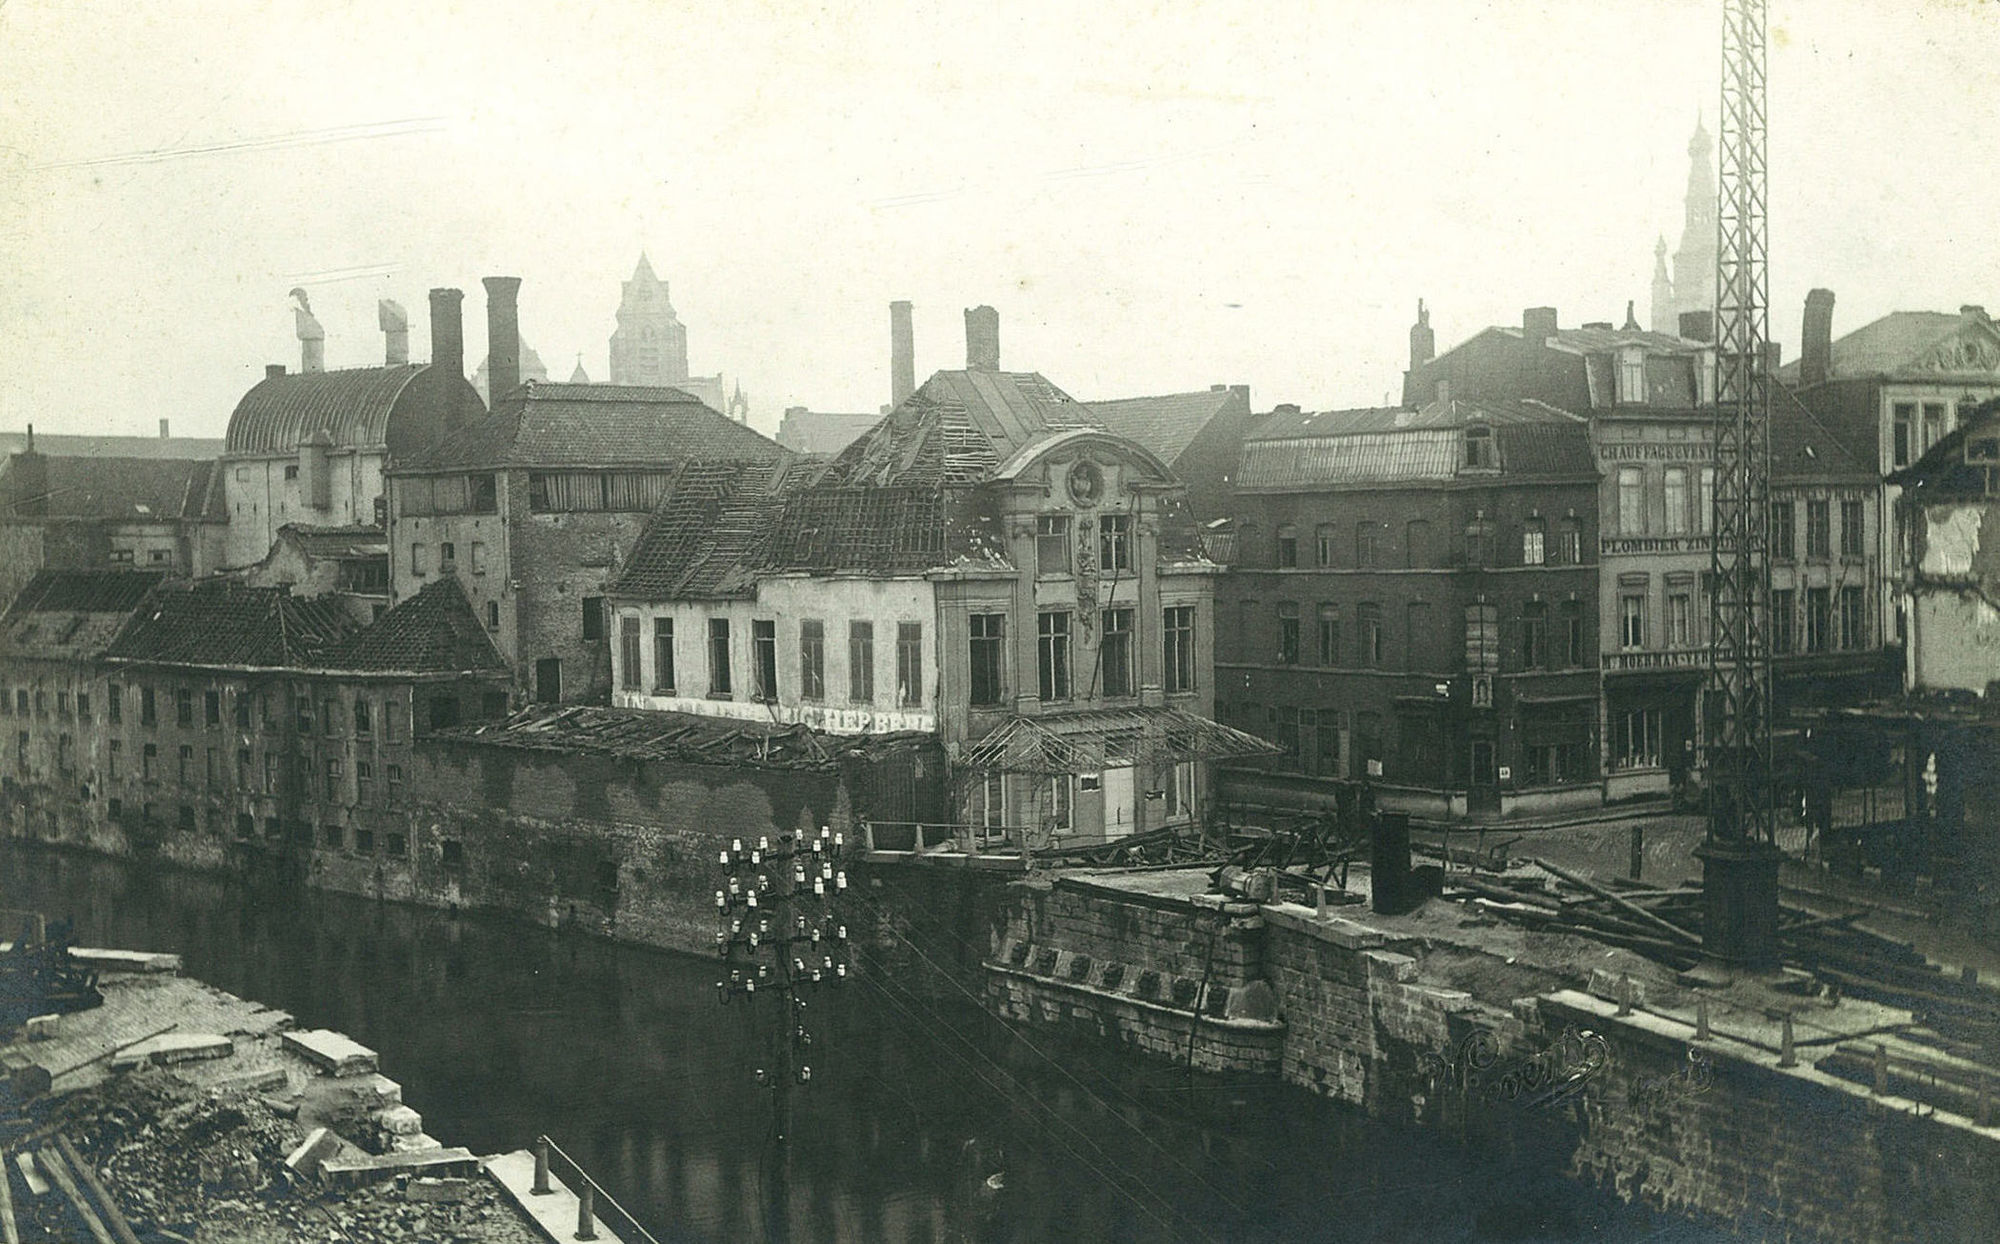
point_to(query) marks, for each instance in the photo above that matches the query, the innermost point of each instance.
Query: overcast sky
(1155, 196)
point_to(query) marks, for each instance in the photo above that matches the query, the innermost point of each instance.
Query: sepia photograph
(921, 622)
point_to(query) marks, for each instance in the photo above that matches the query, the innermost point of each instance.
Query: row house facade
(1412, 604)
(220, 724)
(1650, 401)
(988, 565)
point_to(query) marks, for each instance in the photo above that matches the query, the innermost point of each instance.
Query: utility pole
(781, 939)
(1740, 856)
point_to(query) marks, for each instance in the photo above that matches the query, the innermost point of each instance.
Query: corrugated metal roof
(352, 406)
(1366, 458)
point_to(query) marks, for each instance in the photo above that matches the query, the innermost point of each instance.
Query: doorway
(548, 680)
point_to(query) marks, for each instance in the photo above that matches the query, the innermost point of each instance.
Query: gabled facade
(986, 565)
(1412, 607)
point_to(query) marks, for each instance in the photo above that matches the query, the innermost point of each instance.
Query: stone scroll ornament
(1551, 1076)
(1695, 1077)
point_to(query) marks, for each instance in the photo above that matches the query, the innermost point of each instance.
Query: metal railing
(591, 1198)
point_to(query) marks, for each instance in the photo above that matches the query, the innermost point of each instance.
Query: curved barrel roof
(352, 406)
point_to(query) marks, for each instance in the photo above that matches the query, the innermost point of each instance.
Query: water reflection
(925, 1121)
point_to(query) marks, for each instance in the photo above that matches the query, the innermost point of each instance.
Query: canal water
(925, 1119)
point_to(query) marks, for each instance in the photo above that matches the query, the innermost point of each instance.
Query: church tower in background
(1691, 286)
(650, 344)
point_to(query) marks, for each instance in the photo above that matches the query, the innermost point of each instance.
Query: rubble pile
(187, 1163)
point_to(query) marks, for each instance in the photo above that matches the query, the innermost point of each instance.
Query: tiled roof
(1397, 445)
(645, 734)
(352, 406)
(1906, 342)
(225, 623)
(136, 489)
(1164, 424)
(72, 614)
(704, 534)
(1802, 449)
(543, 424)
(433, 632)
(61, 445)
(822, 432)
(956, 428)
(359, 543)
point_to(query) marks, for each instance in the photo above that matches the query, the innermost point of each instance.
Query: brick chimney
(503, 336)
(1538, 324)
(1698, 326)
(982, 339)
(395, 323)
(902, 354)
(273, 371)
(163, 429)
(28, 481)
(1423, 342)
(1816, 338)
(448, 333)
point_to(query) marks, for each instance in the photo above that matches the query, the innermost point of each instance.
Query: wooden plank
(10, 1233)
(112, 1214)
(53, 1163)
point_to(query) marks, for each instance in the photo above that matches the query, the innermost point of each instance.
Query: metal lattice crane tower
(1740, 857)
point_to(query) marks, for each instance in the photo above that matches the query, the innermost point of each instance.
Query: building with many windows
(1413, 605)
(987, 564)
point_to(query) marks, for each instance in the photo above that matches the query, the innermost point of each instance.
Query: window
(394, 774)
(364, 717)
(1323, 544)
(246, 827)
(1784, 622)
(392, 720)
(147, 714)
(1680, 620)
(1677, 500)
(629, 671)
(148, 759)
(812, 660)
(989, 653)
(1478, 542)
(1933, 424)
(1052, 545)
(861, 662)
(329, 716)
(1052, 654)
(1534, 542)
(1905, 414)
(332, 837)
(1819, 619)
(395, 845)
(1853, 529)
(1479, 447)
(663, 655)
(332, 780)
(1632, 620)
(1818, 544)
(302, 705)
(1534, 635)
(114, 704)
(1059, 800)
(1631, 501)
(909, 663)
(1329, 634)
(1417, 554)
(242, 710)
(593, 617)
(1631, 376)
(492, 615)
(83, 706)
(291, 470)
(21, 751)
(479, 557)
(1288, 547)
(1416, 632)
(212, 768)
(1285, 733)
(187, 764)
(364, 841)
(763, 657)
(444, 712)
(1784, 532)
(187, 819)
(1367, 543)
(1569, 543)
(62, 704)
(183, 706)
(420, 560)
(1704, 500)
(1369, 616)
(447, 556)
(114, 751)
(1572, 635)
(1853, 619)
(65, 745)
(1114, 544)
(271, 777)
(718, 658)
(1635, 739)
(1114, 651)
(1288, 633)
(1326, 738)
(244, 767)
(1177, 648)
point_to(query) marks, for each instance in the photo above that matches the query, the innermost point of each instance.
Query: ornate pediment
(1975, 350)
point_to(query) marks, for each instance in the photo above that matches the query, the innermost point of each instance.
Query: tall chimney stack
(982, 339)
(503, 336)
(28, 477)
(163, 429)
(312, 338)
(1816, 338)
(902, 354)
(395, 323)
(448, 332)
(1423, 342)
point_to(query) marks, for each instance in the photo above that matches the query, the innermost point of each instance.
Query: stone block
(331, 1052)
(353, 1172)
(399, 1120)
(433, 1189)
(40, 1027)
(170, 1048)
(318, 1145)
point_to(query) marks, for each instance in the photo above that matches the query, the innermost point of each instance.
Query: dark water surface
(499, 1032)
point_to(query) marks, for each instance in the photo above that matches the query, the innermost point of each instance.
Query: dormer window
(1479, 447)
(1631, 375)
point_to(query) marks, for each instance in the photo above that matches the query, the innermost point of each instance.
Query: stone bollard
(1625, 994)
(1787, 1054)
(1701, 1030)
(541, 1187)
(1881, 1070)
(586, 1210)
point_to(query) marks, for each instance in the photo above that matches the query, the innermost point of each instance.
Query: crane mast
(1740, 856)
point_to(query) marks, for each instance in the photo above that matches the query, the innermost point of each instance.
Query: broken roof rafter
(1092, 741)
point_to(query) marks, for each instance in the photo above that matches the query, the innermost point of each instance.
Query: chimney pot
(902, 353)
(503, 336)
(1285, 408)
(395, 325)
(163, 429)
(1423, 342)
(982, 339)
(1538, 324)
(1974, 310)
(273, 370)
(1816, 338)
